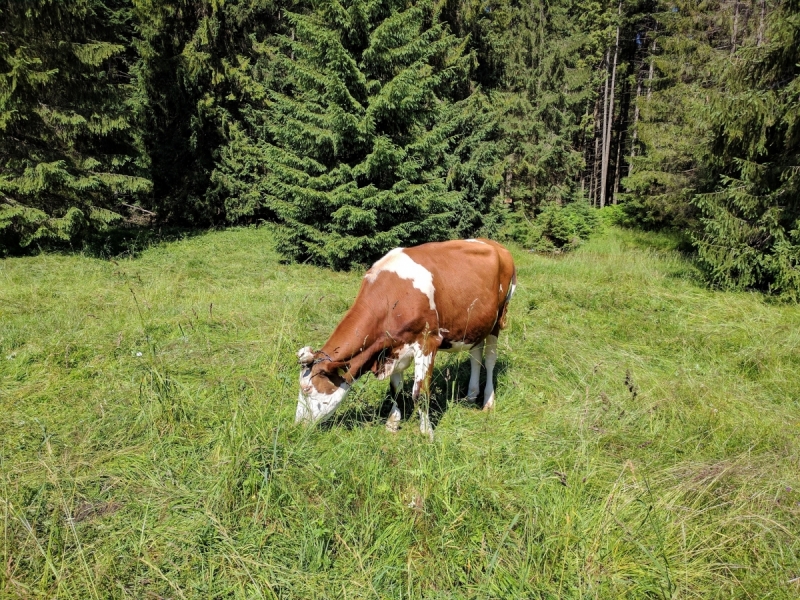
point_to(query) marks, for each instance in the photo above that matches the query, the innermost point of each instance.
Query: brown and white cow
(413, 302)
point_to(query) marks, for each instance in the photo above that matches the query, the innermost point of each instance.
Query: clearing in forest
(645, 442)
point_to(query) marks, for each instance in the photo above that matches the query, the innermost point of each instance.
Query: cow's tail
(504, 309)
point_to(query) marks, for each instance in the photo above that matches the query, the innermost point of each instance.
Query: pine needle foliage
(349, 132)
(537, 61)
(546, 52)
(691, 42)
(70, 150)
(195, 76)
(750, 235)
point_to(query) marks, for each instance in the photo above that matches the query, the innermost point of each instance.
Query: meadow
(645, 442)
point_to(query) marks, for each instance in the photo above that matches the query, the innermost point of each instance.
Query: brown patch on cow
(325, 375)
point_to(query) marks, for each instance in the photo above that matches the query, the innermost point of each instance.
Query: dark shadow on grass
(669, 241)
(448, 386)
(117, 242)
(130, 242)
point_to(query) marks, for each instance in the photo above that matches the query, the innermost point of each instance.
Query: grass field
(646, 440)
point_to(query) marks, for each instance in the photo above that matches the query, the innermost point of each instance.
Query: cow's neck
(353, 345)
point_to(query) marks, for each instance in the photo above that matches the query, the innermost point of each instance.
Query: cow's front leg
(490, 359)
(423, 371)
(396, 386)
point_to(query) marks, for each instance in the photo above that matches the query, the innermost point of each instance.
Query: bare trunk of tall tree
(509, 176)
(761, 22)
(652, 69)
(609, 115)
(635, 133)
(583, 149)
(593, 191)
(599, 152)
(602, 155)
(735, 25)
(617, 169)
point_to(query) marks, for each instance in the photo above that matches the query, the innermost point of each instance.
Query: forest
(190, 191)
(356, 126)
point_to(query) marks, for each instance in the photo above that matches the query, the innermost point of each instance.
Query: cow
(414, 302)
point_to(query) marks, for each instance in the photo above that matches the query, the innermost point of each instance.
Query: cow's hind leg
(396, 385)
(423, 370)
(490, 359)
(475, 361)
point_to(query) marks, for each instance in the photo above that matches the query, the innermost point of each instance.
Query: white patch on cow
(400, 263)
(314, 406)
(393, 422)
(425, 427)
(474, 240)
(305, 356)
(396, 383)
(399, 362)
(404, 357)
(458, 347)
(422, 364)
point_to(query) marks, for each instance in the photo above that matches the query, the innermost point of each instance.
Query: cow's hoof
(393, 422)
(425, 427)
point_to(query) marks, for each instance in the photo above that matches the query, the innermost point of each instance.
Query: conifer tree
(346, 138)
(195, 76)
(70, 152)
(750, 234)
(547, 58)
(688, 45)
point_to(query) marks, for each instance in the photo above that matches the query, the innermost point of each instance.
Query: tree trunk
(602, 156)
(507, 187)
(617, 168)
(735, 25)
(650, 74)
(594, 170)
(634, 135)
(761, 23)
(610, 115)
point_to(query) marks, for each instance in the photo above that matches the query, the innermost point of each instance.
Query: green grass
(646, 441)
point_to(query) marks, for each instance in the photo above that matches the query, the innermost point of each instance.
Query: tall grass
(645, 441)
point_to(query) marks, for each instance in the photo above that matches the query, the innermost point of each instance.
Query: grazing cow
(413, 302)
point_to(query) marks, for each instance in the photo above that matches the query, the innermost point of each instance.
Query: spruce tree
(195, 76)
(537, 62)
(71, 154)
(687, 48)
(750, 234)
(546, 52)
(347, 133)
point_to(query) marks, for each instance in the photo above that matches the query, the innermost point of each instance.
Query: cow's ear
(305, 356)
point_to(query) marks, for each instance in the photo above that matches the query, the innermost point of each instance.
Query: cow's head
(322, 388)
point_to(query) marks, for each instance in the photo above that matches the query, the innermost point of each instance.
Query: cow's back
(471, 281)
